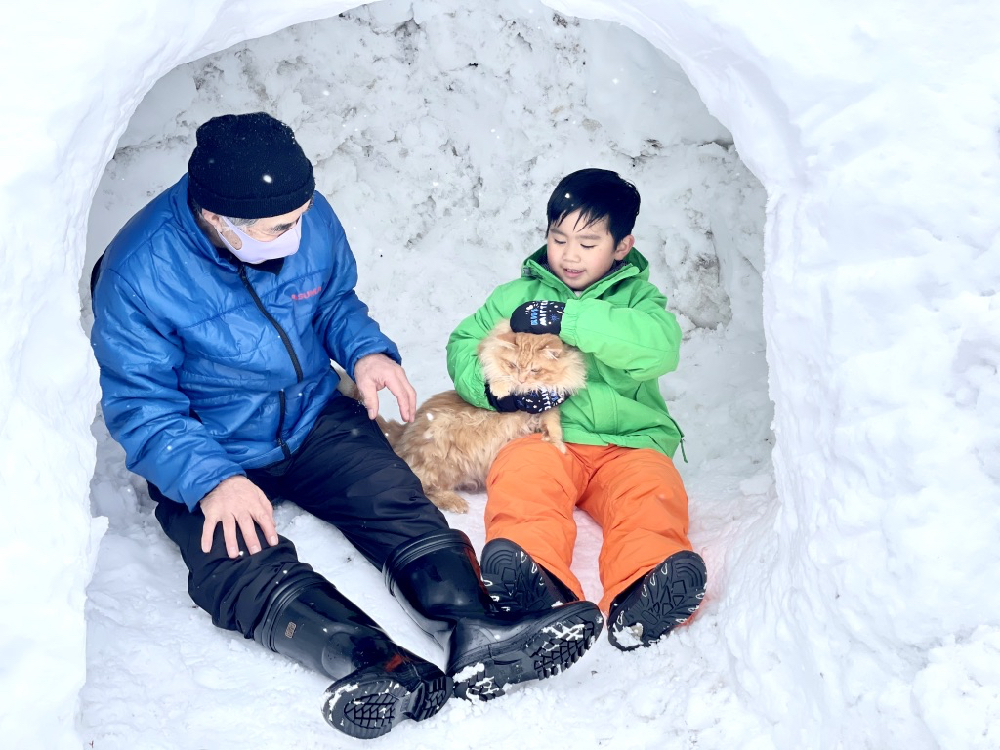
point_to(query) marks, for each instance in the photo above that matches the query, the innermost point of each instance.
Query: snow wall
(874, 129)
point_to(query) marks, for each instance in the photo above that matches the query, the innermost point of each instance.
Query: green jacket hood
(633, 264)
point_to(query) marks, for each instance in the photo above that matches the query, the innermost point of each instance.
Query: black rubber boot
(376, 682)
(436, 579)
(656, 604)
(516, 583)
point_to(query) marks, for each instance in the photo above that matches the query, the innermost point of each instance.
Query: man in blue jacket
(218, 309)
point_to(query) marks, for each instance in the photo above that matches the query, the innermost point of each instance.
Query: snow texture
(840, 261)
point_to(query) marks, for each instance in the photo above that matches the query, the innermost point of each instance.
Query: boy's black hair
(599, 194)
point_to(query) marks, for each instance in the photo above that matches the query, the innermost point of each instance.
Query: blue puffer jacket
(209, 366)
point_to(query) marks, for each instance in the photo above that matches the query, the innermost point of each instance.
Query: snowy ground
(437, 139)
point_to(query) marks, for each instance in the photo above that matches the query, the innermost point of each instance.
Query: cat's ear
(507, 340)
(553, 350)
(547, 341)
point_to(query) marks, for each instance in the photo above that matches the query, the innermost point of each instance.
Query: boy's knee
(518, 454)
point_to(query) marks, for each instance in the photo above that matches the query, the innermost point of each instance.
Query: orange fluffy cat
(450, 444)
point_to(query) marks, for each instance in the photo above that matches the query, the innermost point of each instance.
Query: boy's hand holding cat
(532, 402)
(538, 316)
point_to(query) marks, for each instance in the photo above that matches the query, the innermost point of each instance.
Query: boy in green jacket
(591, 288)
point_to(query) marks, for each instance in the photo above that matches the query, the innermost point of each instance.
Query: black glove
(532, 402)
(539, 316)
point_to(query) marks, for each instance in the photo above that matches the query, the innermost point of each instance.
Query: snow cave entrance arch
(438, 147)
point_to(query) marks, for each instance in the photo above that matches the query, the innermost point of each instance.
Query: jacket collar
(272, 266)
(536, 266)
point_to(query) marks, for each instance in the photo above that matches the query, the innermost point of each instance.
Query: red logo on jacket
(306, 295)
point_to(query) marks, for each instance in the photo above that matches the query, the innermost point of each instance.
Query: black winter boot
(436, 579)
(377, 683)
(517, 583)
(656, 604)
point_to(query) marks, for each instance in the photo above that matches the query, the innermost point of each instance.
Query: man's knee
(235, 591)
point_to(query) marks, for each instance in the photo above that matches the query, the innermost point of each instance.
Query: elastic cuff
(422, 545)
(567, 324)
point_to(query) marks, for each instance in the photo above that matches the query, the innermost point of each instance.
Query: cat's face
(520, 362)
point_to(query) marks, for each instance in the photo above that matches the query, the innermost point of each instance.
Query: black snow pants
(346, 473)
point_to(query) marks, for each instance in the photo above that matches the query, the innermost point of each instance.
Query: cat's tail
(392, 430)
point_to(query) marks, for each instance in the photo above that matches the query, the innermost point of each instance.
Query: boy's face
(580, 255)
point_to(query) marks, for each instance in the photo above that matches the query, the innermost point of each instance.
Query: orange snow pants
(635, 494)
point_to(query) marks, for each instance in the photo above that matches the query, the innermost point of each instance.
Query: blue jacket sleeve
(342, 320)
(144, 408)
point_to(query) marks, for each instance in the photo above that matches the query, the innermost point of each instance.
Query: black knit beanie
(249, 167)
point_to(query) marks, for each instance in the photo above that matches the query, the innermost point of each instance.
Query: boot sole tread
(510, 581)
(668, 596)
(369, 706)
(556, 643)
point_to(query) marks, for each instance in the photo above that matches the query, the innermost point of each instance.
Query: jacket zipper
(291, 353)
(281, 423)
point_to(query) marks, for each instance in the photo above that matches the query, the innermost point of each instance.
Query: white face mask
(257, 251)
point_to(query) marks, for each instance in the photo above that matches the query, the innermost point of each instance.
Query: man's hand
(237, 501)
(372, 373)
(538, 316)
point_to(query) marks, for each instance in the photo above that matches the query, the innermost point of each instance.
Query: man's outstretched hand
(237, 502)
(372, 373)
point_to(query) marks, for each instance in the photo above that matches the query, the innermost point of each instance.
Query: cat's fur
(450, 444)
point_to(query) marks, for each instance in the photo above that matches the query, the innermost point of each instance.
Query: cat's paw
(448, 500)
(556, 441)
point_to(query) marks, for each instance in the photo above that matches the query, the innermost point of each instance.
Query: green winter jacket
(622, 326)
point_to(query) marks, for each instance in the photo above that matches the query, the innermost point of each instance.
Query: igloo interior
(853, 603)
